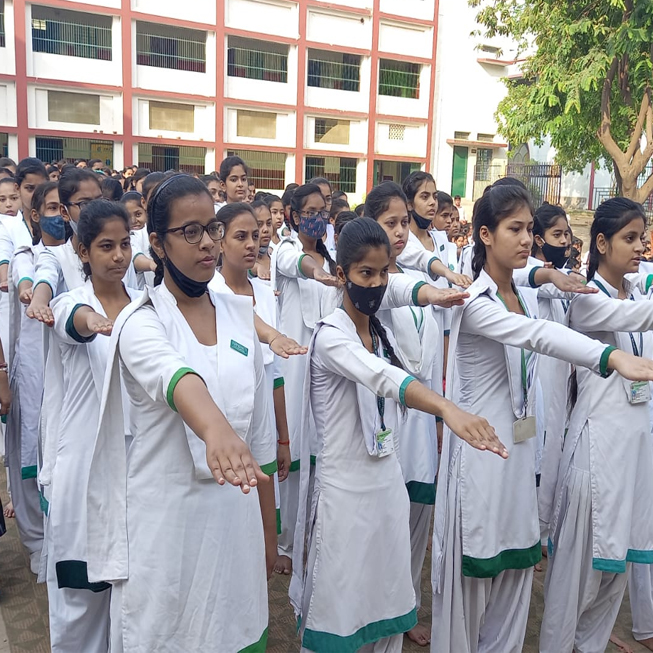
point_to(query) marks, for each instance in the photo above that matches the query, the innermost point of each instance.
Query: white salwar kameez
(486, 537)
(186, 556)
(79, 610)
(603, 516)
(24, 352)
(355, 592)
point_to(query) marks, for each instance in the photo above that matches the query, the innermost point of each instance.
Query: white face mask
(73, 226)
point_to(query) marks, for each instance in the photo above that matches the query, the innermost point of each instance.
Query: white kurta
(186, 556)
(486, 521)
(140, 242)
(356, 587)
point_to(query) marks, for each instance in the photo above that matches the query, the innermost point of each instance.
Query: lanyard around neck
(380, 401)
(636, 351)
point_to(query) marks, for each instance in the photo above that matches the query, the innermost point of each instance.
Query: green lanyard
(380, 401)
(524, 370)
(637, 352)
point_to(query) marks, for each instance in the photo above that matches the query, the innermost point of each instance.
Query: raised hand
(474, 430)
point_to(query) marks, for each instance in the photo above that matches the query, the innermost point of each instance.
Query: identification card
(640, 392)
(385, 444)
(523, 429)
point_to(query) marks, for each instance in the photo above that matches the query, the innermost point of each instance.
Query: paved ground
(24, 611)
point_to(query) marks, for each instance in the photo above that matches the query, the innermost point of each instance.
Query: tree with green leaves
(587, 77)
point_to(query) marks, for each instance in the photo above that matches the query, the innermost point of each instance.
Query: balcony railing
(339, 75)
(257, 64)
(175, 53)
(399, 79)
(71, 39)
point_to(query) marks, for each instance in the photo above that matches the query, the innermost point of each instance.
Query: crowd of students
(204, 385)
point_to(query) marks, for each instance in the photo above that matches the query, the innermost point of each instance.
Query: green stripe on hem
(419, 492)
(70, 326)
(176, 377)
(43, 502)
(295, 464)
(278, 383)
(24, 279)
(299, 266)
(531, 277)
(402, 389)
(619, 566)
(74, 574)
(509, 559)
(603, 365)
(269, 468)
(416, 289)
(649, 282)
(278, 521)
(322, 642)
(257, 647)
(29, 472)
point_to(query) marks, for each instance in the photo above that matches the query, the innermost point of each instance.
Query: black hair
(321, 181)
(357, 238)
(70, 180)
(229, 164)
(507, 181)
(270, 199)
(111, 189)
(229, 212)
(610, 217)
(91, 162)
(92, 219)
(286, 198)
(30, 166)
(158, 209)
(343, 218)
(5, 162)
(6, 171)
(413, 183)
(140, 173)
(260, 195)
(360, 210)
(151, 181)
(379, 198)
(296, 205)
(50, 168)
(257, 204)
(495, 205)
(543, 219)
(444, 199)
(337, 206)
(339, 194)
(8, 180)
(131, 196)
(38, 201)
(207, 179)
(457, 197)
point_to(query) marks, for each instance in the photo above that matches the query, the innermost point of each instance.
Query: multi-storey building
(299, 88)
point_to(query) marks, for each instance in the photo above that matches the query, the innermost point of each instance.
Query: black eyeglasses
(194, 232)
(81, 204)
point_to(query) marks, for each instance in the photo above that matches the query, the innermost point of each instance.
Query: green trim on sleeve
(176, 377)
(419, 492)
(70, 326)
(531, 277)
(508, 559)
(278, 521)
(4, 262)
(257, 647)
(317, 640)
(603, 365)
(294, 466)
(29, 472)
(447, 332)
(24, 279)
(416, 289)
(74, 575)
(402, 389)
(649, 282)
(43, 502)
(430, 273)
(269, 468)
(278, 383)
(299, 266)
(438, 420)
(137, 255)
(47, 283)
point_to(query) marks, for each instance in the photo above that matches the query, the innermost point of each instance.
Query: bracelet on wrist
(279, 335)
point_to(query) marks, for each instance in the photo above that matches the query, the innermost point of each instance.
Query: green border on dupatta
(257, 647)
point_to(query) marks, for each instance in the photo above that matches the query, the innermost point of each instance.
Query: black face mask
(188, 286)
(556, 255)
(366, 300)
(422, 223)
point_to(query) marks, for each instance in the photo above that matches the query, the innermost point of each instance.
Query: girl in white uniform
(26, 360)
(185, 555)
(144, 266)
(300, 263)
(233, 179)
(486, 537)
(603, 517)
(355, 591)
(77, 361)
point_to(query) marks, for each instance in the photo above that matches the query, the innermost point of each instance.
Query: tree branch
(604, 134)
(636, 136)
(645, 190)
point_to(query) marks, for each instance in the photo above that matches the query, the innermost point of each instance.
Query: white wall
(8, 53)
(202, 11)
(286, 132)
(204, 122)
(269, 17)
(8, 104)
(356, 4)
(87, 5)
(357, 136)
(335, 28)
(410, 40)
(110, 112)
(413, 143)
(421, 9)
(408, 107)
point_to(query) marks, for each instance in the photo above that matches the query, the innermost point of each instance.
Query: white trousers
(581, 604)
(387, 645)
(289, 503)
(640, 585)
(478, 615)
(79, 619)
(420, 524)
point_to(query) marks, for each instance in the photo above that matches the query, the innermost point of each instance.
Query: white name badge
(385, 444)
(640, 392)
(523, 429)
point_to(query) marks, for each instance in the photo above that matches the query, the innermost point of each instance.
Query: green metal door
(459, 179)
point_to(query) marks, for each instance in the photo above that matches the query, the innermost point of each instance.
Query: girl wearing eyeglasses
(77, 360)
(301, 261)
(178, 524)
